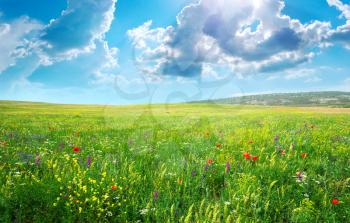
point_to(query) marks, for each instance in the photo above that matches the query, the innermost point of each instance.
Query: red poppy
(210, 161)
(113, 187)
(335, 201)
(246, 155)
(218, 145)
(255, 158)
(303, 155)
(76, 149)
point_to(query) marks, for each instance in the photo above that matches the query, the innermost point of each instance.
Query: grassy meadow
(173, 163)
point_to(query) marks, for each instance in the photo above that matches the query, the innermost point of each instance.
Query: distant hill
(327, 98)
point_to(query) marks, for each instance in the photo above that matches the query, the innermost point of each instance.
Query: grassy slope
(164, 149)
(324, 99)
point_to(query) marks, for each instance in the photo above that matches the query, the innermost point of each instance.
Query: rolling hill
(327, 98)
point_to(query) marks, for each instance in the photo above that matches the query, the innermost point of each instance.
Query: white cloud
(300, 73)
(345, 9)
(342, 33)
(78, 27)
(79, 31)
(14, 40)
(248, 36)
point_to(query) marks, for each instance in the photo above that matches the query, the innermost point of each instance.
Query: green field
(173, 163)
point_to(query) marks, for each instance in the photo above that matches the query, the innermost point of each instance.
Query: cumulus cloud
(76, 30)
(342, 33)
(250, 36)
(14, 39)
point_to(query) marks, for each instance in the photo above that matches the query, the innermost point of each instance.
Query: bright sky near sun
(137, 51)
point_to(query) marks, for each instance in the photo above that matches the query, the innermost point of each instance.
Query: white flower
(300, 177)
(144, 211)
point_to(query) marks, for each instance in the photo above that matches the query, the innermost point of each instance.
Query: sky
(156, 51)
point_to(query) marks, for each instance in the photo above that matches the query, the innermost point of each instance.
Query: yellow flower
(92, 181)
(105, 196)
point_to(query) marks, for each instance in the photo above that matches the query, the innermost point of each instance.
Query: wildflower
(283, 152)
(218, 145)
(88, 161)
(113, 187)
(303, 155)
(255, 158)
(228, 167)
(335, 201)
(76, 149)
(300, 176)
(193, 173)
(276, 138)
(155, 195)
(210, 161)
(144, 211)
(206, 167)
(246, 155)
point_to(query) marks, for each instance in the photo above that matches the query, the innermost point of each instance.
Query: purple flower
(206, 167)
(88, 161)
(155, 195)
(276, 138)
(228, 167)
(193, 173)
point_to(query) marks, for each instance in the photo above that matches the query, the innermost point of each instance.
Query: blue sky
(133, 51)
